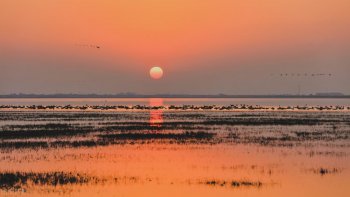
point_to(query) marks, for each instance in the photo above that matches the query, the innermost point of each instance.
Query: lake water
(47, 153)
(177, 101)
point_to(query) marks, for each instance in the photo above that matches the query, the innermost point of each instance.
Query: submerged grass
(17, 180)
(44, 129)
(147, 136)
(324, 171)
(233, 183)
(113, 139)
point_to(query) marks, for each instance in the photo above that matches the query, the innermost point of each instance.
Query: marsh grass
(16, 180)
(42, 129)
(233, 183)
(146, 136)
(325, 171)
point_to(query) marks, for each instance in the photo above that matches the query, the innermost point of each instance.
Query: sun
(156, 72)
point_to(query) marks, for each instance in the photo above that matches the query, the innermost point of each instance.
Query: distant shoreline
(169, 96)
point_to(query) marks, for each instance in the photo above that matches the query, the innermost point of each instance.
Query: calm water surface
(173, 153)
(175, 101)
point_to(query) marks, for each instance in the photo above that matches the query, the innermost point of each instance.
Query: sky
(203, 46)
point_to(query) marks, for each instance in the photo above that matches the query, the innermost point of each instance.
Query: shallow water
(174, 153)
(175, 101)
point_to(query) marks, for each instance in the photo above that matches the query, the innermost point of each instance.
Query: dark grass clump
(150, 136)
(114, 139)
(245, 184)
(233, 183)
(55, 144)
(288, 139)
(324, 171)
(26, 144)
(17, 180)
(264, 121)
(25, 134)
(136, 126)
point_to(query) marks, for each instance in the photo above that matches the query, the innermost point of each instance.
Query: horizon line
(162, 95)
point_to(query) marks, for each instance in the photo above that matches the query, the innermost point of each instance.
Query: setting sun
(156, 72)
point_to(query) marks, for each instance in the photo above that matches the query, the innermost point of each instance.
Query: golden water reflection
(304, 165)
(158, 169)
(156, 115)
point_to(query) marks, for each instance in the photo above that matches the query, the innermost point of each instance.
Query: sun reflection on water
(156, 115)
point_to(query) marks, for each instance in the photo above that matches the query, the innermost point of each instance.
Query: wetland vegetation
(169, 146)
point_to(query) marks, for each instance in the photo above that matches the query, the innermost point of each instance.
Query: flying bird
(89, 46)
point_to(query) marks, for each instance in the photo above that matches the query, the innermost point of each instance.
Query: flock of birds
(171, 107)
(302, 74)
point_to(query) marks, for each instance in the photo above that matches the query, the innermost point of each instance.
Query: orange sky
(177, 34)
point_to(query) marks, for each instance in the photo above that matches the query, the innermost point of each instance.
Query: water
(174, 153)
(177, 101)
